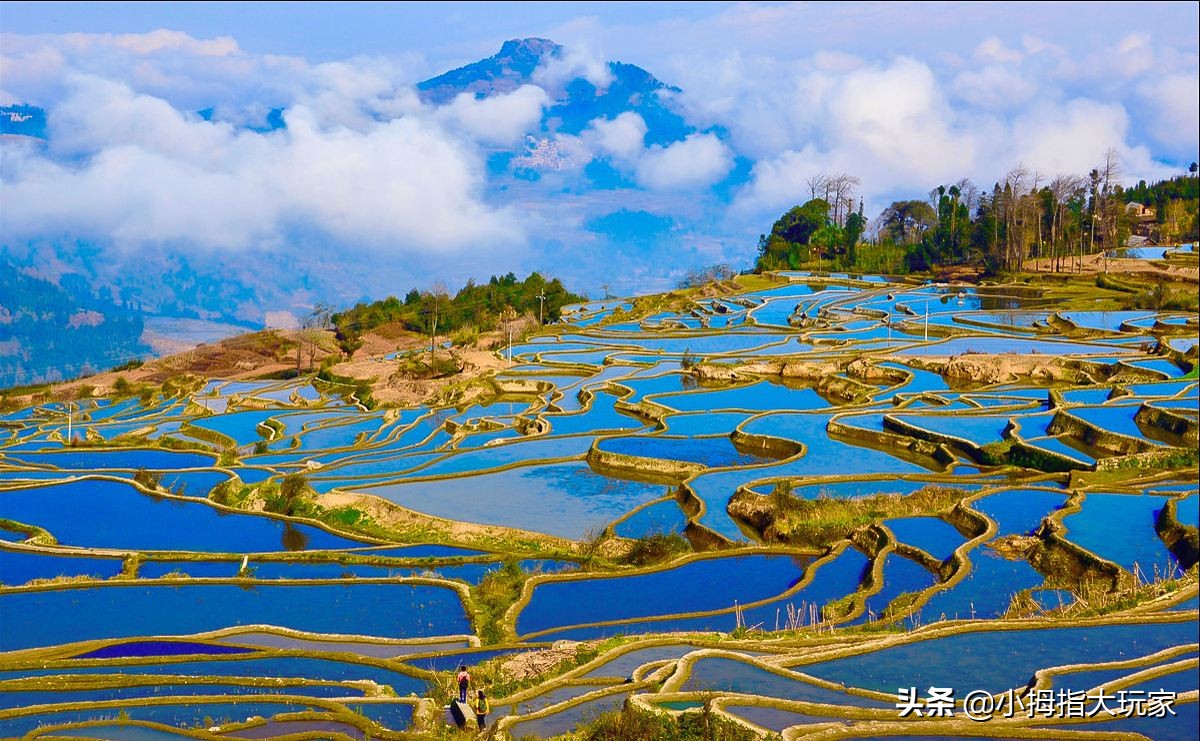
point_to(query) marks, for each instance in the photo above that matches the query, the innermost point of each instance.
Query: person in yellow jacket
(482, 709)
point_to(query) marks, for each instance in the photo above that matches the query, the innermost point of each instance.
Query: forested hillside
(434, 311)
(51, 331)
(1026, 215)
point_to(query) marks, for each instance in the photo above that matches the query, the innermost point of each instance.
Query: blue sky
(903, 96)
(323, 32)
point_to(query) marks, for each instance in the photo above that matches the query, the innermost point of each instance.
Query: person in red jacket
(464, 681)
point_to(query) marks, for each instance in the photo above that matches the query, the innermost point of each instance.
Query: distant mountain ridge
(500, 73)
(54, 331)
(579, 101)
(574, 106)
(172, 284)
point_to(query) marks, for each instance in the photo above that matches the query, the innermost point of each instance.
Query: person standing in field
(482, 708)
(464, 681)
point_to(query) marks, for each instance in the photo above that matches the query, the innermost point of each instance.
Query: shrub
(228, 493)
(492, 597)
(1113, 284)
(148, 479)
(465, 336)
(996, 453)
(656, 548)
(346, 516)
(289, 499)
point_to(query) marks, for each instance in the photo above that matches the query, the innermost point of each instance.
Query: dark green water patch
(142, 649)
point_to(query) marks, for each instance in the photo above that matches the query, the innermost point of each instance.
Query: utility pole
(507, 316)
(541, 297)
(927, 322)
(1092, 243)
(70, 410)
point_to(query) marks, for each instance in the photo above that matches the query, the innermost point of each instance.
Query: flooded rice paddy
(838, 513)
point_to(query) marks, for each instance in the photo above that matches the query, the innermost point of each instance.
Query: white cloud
(1073, 138)
(1172, 103)
(280, 320)
(992, 49)
(1068, 138)
(577, 60)
(696, 162)
(155, 41)
(972, 93)
(101, 114)
(355, 94)
(1135, 54)
(994, 88)
(898, 118)
(499, 119)
(192, 74)
(622, 137)
(779, 182)
(141, 172)
(836, 61)
(1037, 45)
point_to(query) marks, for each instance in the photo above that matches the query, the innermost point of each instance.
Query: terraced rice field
(858, 517)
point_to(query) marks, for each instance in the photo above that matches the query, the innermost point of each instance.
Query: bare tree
(842, 188)
(818, 184)
(836, 189)
(968, 194)
(317, 321)
(437, 296)
(1016, 184)
(1063, 187)
(1032, 214)
(1110, 180)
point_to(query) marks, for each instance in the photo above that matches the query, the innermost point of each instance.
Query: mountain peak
(502, 72)
(531, 47)
(576, 102)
